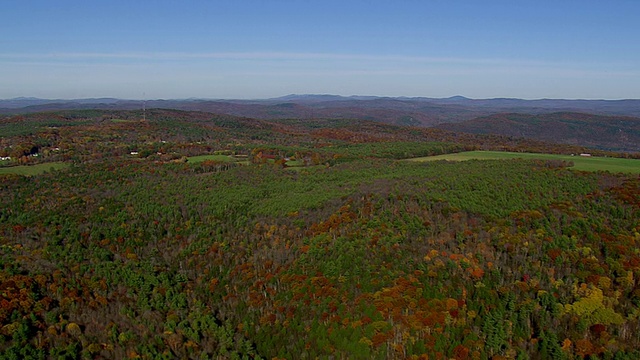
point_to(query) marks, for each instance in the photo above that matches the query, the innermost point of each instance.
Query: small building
(585, 154)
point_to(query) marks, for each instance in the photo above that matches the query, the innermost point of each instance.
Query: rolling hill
(618, 133)
(122, 131)
(193, 235)
(398, 111)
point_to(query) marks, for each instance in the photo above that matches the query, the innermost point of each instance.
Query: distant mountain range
(393, 110)
(604, 124)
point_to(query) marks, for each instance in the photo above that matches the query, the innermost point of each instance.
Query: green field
(201, 158)
(295, 163)
(580, 162)
(30, 170)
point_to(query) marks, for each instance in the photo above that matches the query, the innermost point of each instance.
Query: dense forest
(620, 133)
(307, 239)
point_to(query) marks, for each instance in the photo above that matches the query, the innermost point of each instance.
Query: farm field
(31, 170)
(583, 163)
(201, 158)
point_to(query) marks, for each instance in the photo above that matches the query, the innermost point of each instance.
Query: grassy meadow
(31, 170)
(584, 163)
(201, 158)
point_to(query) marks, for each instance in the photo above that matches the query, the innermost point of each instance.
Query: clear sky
(257, 49)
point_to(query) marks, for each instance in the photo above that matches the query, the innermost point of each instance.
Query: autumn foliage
(351, 254)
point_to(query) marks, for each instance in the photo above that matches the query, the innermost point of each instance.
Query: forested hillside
(306, 239)
(618, 133)
(407, 111)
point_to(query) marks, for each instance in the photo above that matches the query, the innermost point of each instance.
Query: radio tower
(144, 107)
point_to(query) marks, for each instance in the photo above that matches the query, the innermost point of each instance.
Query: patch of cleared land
(584, 163)
(295, 163)
(30, 170)
(217, 157)
(201, 158)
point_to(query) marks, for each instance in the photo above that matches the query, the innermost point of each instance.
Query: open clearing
(201, 158)
(30, 170)
(584, 163)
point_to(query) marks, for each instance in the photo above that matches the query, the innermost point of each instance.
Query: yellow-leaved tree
(591, 307)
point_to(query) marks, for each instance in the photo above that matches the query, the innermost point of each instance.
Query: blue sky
(259, 49)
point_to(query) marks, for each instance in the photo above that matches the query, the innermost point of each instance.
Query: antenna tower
(144, 107)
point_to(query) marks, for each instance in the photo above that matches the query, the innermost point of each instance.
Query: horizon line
(318, 95)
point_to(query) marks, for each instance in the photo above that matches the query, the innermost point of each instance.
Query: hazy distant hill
(390, 111)
(397, 111)
(618, 133)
